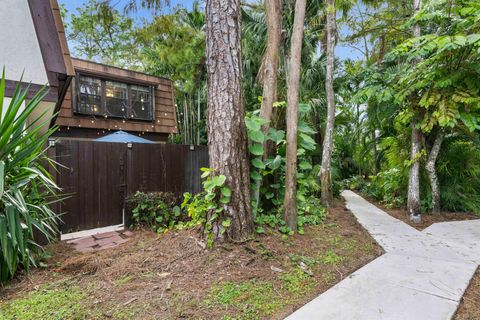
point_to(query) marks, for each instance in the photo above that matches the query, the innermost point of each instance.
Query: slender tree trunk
(325, 170)
(273, 10)
(293, 83)
(431, 168)
(413, 202)
(375, 153)
(227, 135)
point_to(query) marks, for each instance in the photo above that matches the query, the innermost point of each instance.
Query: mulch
(168, 276)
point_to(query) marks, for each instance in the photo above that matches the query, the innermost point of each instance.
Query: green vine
(207, 208)
(268, 211)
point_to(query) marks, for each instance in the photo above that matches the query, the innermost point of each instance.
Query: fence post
(127, 214)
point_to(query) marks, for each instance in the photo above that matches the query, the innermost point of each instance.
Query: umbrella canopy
(122, 137)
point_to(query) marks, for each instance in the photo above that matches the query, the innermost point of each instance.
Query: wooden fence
(98, 177)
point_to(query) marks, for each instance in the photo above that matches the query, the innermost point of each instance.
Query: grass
(46, 304)
(113, 278)
(258, 299)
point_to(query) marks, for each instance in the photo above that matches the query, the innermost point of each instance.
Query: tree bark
(227, 135)
(431, 168)
(273, 10)
(325, 170)
(293, 83)
(413, 202)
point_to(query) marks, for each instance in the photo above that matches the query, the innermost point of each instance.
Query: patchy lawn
(469, 308)
(173, 277)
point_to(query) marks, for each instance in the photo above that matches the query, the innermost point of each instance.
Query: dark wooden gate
(98, 177)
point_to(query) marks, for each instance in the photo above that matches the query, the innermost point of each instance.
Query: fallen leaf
(275, 269)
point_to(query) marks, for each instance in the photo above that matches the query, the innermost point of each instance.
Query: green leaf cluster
(26, 187)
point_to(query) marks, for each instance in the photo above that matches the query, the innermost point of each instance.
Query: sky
(342, 52)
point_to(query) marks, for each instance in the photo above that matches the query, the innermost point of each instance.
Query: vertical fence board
(99, 177)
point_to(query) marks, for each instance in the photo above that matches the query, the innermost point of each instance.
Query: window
(90, 96)
(115, 99)
(141, 102)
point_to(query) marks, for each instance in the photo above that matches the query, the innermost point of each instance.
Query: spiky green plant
(26, 188)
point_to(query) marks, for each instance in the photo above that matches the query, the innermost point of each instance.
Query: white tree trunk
(325, 171)
(413, 202)
(431, 168)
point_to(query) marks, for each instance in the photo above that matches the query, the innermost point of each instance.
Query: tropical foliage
(399, 84)
(26, 188)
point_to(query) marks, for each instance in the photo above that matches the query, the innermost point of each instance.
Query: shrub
(207, 208)
(158, 211)
(26, 188)
(388, 186)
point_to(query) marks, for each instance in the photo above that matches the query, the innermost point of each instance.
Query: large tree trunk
(325, 170)
(227, 135)
(432, 170)
(273, 10)
(413, 202)
(293, 83)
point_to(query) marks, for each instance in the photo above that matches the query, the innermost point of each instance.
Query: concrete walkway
(422, 275)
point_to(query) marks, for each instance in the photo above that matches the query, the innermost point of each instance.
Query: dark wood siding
(164, 109)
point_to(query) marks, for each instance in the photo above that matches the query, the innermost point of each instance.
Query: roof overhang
(51, 37)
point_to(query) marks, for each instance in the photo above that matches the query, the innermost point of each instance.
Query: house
(102, 99)
(34, 45)
(88, 99)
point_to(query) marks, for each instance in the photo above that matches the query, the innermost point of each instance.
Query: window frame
(103, 99)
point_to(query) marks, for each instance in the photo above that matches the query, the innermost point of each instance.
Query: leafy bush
(207, 208)
(159, 211)
(459, 174)
(388, 187)
(26, 188)
(268, 211)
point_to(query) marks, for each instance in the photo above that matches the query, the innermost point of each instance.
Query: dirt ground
(427, 219)
(469, 308)
(174, 277)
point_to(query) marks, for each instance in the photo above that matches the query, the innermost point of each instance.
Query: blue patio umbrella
(123, 137)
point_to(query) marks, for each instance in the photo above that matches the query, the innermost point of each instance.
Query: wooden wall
(98, 177)
(165, 118)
